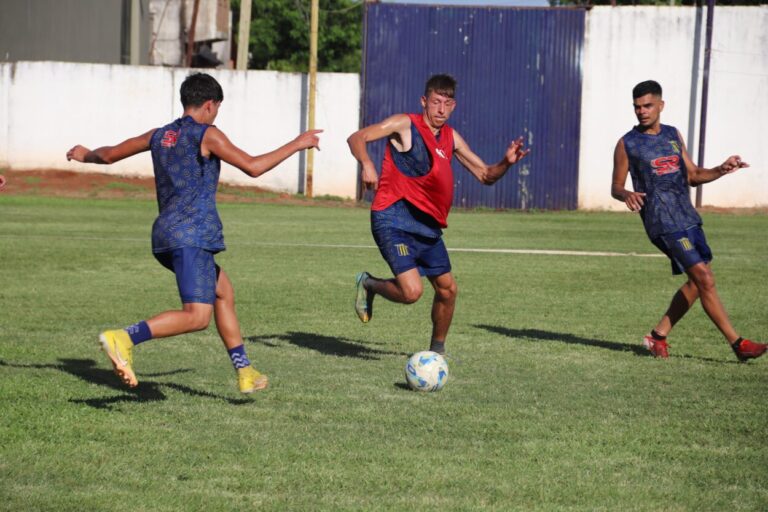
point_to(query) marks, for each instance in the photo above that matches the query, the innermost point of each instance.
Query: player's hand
(634, 200)
(309, 139)
(78, 153)
(733, 163)
(3, 181)
(516, 151)
(370, 178)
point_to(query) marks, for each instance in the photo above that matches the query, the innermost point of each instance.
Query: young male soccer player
(187, 233)
(413, 199)
(661, 169)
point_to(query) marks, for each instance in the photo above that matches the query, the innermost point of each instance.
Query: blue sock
(139, 332)
(238, 357)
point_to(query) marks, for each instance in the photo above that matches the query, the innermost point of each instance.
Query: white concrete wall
(627, 45)
(48, 107)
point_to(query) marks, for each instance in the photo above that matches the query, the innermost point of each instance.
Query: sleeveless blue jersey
(186, 185)
(657, 168)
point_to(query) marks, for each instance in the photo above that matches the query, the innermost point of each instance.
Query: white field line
(544, 252)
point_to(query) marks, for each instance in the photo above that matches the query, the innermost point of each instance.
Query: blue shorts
(196, 273)
(404, 251)
(684, 248)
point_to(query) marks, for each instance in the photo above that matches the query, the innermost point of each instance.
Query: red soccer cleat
(659, 348)
(745, 349)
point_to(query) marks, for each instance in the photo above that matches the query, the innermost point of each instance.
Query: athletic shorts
(685, 248)
(403, 251)
(196, 273)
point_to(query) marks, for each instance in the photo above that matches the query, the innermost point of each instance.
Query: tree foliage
(279, 36)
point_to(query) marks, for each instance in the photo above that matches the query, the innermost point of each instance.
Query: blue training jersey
(657, 168)
(186, 185)
(403, 215)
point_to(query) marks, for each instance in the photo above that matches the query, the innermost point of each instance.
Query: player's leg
(682, 253)
(681, 303)
(195, 277)
(405, 288)
(249, 379)
(443, 306)
(702, 275)
(400, 250)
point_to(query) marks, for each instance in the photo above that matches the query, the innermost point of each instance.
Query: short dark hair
(647, 87)
(441, 84)
(199, 88)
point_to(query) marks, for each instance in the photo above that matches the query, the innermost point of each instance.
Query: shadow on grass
(327, 345)
(147, 391)
(539, 335)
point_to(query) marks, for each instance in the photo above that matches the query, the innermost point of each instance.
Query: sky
(508, 3)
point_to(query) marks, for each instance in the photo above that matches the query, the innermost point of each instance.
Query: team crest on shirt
(666, 165)
(169, 139)
(440, 152)
(675, 146)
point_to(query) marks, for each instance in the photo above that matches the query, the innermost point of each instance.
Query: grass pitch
(552, 403)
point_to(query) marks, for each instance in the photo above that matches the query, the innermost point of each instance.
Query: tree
(279, 37)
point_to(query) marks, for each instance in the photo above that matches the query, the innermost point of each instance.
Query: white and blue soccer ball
(426, 371)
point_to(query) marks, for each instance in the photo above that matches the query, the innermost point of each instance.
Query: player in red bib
(413, 198)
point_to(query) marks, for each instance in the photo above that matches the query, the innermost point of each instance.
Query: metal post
(705, 92)
(191, 38)
(243, 35)
(135, 31)
(315, 15)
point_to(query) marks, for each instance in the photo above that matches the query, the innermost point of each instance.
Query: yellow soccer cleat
(250, 380)
(118, 347)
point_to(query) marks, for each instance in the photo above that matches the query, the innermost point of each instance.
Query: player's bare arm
(699, 175)
(488, 174)
(111, 154)
(633, 200)
(397, 128)
(215, 142)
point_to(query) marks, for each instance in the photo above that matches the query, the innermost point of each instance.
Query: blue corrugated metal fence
(518, 72)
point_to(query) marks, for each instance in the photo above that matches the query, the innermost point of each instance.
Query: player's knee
(705, 279)
(199, 320)
(448, 293)
(412, 294)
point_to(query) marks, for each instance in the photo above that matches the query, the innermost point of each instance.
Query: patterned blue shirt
(657, 168)
(186, 185)
(402, 215)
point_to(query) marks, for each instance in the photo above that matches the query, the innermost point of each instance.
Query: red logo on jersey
(169, 139)
(666, 164)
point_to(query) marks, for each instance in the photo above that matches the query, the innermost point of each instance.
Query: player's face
(648, 110)
(437, 108)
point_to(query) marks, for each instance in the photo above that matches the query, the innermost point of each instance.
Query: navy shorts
(196, 273)
(685, 248)
(404, 251)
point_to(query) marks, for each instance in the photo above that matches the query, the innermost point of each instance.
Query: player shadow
(327, 345)
(147, 390)
(537, 334)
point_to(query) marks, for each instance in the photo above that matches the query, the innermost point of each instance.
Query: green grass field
(552, 403)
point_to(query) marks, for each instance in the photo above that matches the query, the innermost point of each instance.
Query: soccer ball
(426, 371)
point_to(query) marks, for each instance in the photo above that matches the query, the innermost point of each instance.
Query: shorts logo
(440, 152)
(169, 139)
(685, 244)
(674, 145)
(402, 249)
(666, 165)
